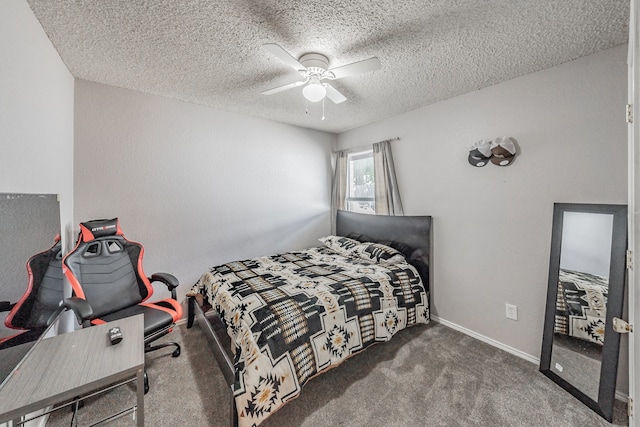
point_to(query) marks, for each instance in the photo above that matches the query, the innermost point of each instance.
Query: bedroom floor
(426, 375)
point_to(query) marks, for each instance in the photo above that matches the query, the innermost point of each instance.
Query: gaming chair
(42, 301)
(105, 269)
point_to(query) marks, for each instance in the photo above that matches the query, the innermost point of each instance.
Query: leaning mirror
(585, 293)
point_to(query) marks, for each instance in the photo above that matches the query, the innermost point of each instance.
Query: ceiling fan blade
(285, 87)
(333, 94)
(354, 68)
(284, 56)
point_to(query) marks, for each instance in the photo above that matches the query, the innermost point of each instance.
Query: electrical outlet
(511, 311)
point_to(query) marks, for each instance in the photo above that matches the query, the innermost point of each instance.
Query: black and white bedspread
(581, 305)
(294, 315)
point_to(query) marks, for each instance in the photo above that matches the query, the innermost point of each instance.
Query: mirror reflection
(30, 272)
(585, 292)
(583, 282)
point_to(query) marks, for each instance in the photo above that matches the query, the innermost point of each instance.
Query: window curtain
(339, 186)
(387, 196)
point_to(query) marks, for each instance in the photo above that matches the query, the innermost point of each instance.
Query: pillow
(377, 252)
(407, 252)
(341, 245)
(374, 252)
(403, 248)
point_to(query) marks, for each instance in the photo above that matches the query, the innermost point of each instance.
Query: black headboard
(411, 233)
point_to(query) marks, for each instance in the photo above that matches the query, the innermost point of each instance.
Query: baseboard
(623, 397)
(487, 340)
(619, 395)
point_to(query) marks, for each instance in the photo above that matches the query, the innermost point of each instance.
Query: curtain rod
(397, 138)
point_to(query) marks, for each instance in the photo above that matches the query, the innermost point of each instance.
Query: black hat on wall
(480, 153)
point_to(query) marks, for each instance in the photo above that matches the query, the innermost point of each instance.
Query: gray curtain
(386, 187)
(339, 186)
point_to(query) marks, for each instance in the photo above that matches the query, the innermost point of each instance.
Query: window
(361, 184)
(365, 182)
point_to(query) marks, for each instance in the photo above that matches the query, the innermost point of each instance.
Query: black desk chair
(105, 269)
(42, 300)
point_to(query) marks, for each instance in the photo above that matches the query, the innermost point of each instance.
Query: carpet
(425, 376)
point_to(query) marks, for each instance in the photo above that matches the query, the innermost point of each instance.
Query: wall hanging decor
(501, 151)
(480, 153)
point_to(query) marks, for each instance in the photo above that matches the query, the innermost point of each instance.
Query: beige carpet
(425, 376)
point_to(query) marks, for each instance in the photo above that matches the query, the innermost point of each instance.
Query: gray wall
(492, 225)
(36, 111)
(195, 185)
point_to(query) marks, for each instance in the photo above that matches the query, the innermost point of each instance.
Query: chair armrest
(80, 307)
(168, 279)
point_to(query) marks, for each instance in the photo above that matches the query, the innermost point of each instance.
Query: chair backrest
(44, 291)
(105, 269)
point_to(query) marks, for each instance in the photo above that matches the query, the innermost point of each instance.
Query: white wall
(492, 225)
(36, 111)
(197, 186)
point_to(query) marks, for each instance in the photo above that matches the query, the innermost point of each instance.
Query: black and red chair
(42, 300)
(105, 269)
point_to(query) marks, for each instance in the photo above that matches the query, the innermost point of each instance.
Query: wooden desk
(63, 367)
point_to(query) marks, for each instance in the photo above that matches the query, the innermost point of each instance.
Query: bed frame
(410, 231)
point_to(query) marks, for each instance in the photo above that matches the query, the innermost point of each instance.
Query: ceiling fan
(314, 68)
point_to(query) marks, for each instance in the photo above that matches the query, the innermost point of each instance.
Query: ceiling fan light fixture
(314, 91)
(314, 68)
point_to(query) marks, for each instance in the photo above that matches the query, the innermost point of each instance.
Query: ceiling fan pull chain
(322, 108)
(306, 106)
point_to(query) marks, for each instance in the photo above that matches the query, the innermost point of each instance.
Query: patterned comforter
(581, 306)
(294, 315)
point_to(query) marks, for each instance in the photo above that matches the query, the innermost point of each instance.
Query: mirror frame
(615, 303)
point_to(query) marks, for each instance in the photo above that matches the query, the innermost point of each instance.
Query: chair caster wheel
(146, 383)
(176, 352)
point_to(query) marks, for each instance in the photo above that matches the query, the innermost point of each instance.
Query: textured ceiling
(209, 52)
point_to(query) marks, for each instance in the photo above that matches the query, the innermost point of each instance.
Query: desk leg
(140, 393)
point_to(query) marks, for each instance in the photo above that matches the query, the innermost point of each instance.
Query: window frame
(351, 157)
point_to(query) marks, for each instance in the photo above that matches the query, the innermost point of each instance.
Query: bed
(581, 306)
(275, 322)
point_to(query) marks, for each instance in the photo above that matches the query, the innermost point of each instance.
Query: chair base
(148, 347)
(176, 352)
